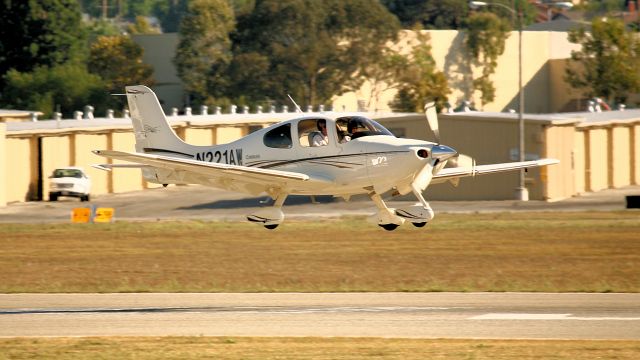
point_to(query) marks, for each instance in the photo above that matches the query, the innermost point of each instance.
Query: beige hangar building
(596, 150)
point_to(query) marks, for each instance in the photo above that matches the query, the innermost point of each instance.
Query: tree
(170, 14)
(486, 36)
(429, 14)
(119, 8)
(36, 33)
(204, 48)
(68, 87)
(142, 26)
(600, 8)
(607, 65)
(118, 61)
(100, 27)
(420, 81)
(314, 49)
(385, 74)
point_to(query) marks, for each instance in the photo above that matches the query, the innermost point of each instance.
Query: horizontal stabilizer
(109, 167)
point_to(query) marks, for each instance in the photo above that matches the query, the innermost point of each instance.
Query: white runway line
(512, 316)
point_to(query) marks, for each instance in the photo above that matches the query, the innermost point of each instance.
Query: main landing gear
(270, 217)
(389, 219)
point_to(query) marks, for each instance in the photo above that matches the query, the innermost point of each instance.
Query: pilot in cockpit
(320, 138)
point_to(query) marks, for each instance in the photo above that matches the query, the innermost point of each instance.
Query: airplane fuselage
(377, 162)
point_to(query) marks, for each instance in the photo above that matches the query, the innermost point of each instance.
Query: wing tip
(548, 161)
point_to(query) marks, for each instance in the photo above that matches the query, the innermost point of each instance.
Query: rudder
(151, 128)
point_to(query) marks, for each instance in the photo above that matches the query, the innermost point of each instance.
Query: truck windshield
(61, 173)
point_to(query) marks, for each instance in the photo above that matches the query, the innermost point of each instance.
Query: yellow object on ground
(80, 215)
(103, 215)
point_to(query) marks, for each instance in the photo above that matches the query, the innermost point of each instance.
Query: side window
(312, 132)
(279, 137)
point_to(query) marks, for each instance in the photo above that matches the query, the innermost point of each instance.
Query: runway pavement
(405, 315)
(203, 203)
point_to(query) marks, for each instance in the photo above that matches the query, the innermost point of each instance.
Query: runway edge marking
(526, 316)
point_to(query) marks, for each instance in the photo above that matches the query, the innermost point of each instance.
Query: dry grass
(310, 348)
(555, 252)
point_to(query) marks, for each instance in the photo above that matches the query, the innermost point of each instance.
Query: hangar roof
(580, 118)
(17, 114)
(182, 120)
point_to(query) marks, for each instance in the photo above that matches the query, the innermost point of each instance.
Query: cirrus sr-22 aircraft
(318, 154)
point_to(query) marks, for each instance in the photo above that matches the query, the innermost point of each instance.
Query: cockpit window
(279, 137)
(359, 126)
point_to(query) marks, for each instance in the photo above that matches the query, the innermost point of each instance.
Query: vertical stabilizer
(152, 131)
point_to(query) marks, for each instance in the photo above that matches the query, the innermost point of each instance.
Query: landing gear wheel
(271, 227)
(422, 224)
(389, 227)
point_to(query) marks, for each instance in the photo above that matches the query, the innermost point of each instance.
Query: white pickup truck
(69, 181)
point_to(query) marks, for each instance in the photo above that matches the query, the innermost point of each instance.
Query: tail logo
(149, 129)
(141, 135)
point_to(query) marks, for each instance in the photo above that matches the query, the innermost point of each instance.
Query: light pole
(521, 191)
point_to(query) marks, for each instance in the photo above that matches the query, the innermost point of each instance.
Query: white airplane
(350, 155)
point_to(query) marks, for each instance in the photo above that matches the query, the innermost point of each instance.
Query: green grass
(309, 348)
(552, 252)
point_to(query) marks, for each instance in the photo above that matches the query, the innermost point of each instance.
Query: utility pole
(105, 5)
(522, 193)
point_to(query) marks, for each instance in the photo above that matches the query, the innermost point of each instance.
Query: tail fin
(150, 125)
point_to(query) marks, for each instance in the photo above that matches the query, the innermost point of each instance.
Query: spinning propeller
(458, 160)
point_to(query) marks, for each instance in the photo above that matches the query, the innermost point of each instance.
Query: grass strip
(550, 252)
(309, 348)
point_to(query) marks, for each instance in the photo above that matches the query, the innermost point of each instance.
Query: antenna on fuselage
(294, 103)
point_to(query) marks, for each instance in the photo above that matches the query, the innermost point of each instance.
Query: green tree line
(50, 60)
(255, 52)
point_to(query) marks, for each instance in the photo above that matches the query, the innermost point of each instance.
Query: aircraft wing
(233, 177)
(458, 172)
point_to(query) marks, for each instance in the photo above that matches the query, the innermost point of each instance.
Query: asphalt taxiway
(398, 315)
(203, 203)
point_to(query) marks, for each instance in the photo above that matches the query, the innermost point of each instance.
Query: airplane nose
(442, 152)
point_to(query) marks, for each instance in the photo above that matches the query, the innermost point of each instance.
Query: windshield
(359, 126)
(61, 173)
